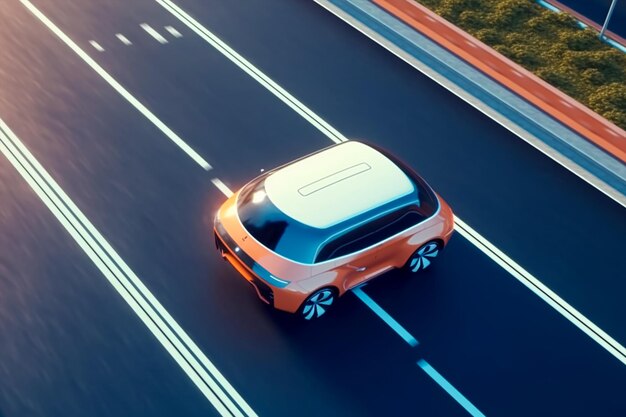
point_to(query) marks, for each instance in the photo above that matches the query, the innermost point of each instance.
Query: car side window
(370, 234)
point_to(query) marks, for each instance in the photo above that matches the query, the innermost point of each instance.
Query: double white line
(295, 104)
(173, 338)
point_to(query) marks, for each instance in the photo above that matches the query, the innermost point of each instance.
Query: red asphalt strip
(562, 107)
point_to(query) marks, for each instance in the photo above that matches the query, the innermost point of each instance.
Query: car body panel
(285, 283)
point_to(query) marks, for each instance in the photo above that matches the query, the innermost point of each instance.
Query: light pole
(608, 17)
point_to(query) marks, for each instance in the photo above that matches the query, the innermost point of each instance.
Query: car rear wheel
(423, 257)
(318, 303)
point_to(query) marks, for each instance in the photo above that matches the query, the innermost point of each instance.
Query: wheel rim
(424, 256)
(317, 304)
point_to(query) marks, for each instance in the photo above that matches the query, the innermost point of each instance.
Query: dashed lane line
(123, 39)
(152, 32)
(96, 46)
(449, 388)
(117, 86)
(380, 312)
(173, 32)
(222, 187)
(167, 331)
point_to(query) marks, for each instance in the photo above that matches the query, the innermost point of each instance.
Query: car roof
(336, 184)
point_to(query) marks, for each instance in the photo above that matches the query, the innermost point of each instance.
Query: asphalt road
(70, 346)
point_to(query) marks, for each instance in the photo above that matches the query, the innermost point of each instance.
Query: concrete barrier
(562, 107)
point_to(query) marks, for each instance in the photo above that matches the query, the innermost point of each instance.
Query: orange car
(305, 233)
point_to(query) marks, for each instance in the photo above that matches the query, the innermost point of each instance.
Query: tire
(423, 256)
(318, 303)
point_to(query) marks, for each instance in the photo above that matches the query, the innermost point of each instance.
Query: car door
(357, 269)
(372, 248)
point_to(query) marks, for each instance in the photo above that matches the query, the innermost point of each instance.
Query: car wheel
(318, 303)
(423, 257)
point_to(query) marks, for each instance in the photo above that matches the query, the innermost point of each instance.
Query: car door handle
(357, 268)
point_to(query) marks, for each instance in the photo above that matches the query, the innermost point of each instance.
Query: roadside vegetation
(549, 44)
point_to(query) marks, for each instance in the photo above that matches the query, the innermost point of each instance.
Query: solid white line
(222, 187)
(139, 298)
(97, 46)
(118, 87)
(545, 293)
(156, 35)
(123, 39)
(253, 71)
(173, 32)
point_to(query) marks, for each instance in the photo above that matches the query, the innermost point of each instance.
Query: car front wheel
(423, 257)
(317, 303)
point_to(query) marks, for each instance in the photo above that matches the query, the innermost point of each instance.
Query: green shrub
(594, 76)
(511, 14)
(549, 44)
(527, 57)
(580, 40)
(489, 36)
(610, 101)
(473, 18)
(451, 9)
(560, 77)
(611, 63)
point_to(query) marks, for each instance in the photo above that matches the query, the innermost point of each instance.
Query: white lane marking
(123, 39)
(380, 312)
(96, 46)
(540, 289)
(173, 32)
(117, 86)
(525, 135)
(167, 331)
(449, 388)
(222, 187)
(253, 71)
(156, 35)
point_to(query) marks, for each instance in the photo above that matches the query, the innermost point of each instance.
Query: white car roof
(336, 184)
